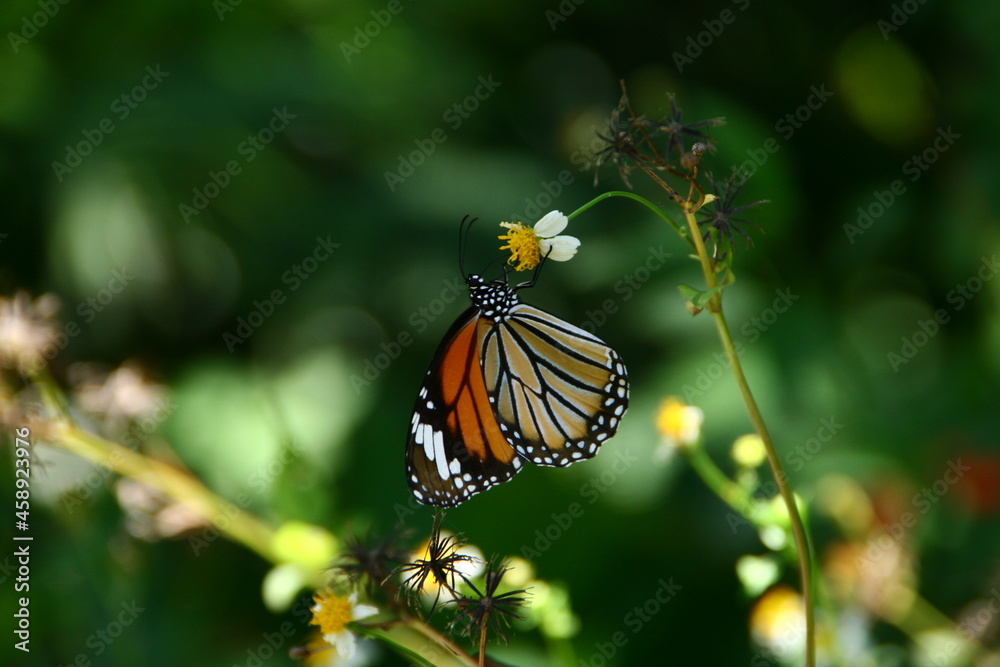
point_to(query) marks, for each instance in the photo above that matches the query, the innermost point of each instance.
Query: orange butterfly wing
(456, 448)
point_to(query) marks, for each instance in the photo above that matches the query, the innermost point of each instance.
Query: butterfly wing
(558, 392)
(456, 448)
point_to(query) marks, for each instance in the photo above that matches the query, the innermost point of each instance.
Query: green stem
(795, 519)
(244, 528)
(802, 547)
(172, 482)
(728, 491)
(419, 642)
(629, 195)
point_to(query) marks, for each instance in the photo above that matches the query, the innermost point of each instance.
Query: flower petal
(560, 248)
(361, 611)
(344, 641)
(551, 224)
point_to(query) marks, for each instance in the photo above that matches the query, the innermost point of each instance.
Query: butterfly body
(509, 383)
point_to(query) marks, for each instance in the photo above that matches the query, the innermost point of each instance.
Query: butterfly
(509, 383)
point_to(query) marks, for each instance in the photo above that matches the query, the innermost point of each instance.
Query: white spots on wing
(426, 437)
(455, 467)
(440, 459)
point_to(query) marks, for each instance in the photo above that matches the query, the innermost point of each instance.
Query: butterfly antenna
(464, 228)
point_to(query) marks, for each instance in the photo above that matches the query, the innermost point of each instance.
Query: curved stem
(629, 195)
(798, 528)
(419, 641)
(714, 305)
(432, 634)
(244, 528)
(726, 489)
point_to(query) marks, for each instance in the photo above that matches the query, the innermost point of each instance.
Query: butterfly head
(494, 298)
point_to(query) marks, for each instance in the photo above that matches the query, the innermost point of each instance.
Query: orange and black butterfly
(509, 383)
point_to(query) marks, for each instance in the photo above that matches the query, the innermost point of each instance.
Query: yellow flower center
(677, 421)
(523, 245)
(331, 613)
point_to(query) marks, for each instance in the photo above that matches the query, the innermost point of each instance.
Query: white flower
(551, 245)
(332, 613)
(27, 331)
(679, 425)
(529, 246)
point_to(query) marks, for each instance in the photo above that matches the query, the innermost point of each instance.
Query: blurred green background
(205, 150)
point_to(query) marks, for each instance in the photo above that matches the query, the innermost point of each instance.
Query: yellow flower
(748, 451)
(778, 621)
(469, 564)
(332, 613)
(528, 246)
(679, 424)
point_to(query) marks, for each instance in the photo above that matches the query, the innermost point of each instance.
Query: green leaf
(414, 645)
(698, 299)
(728, 277)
